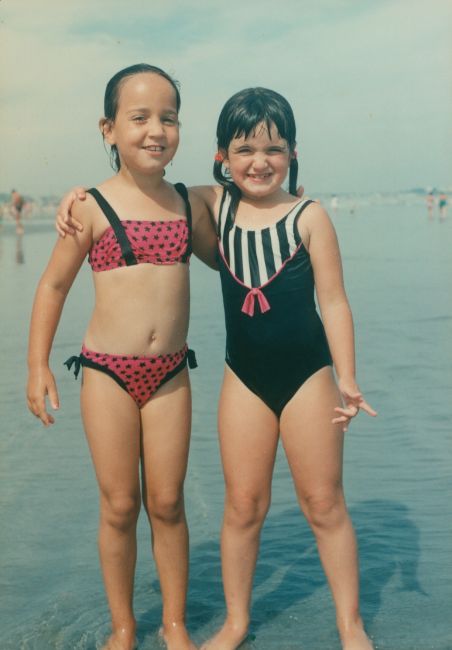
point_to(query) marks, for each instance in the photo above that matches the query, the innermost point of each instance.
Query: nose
(155, 127)
(260, 161)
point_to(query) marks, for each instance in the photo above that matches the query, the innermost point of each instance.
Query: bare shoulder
(315, 224)
(209, 194)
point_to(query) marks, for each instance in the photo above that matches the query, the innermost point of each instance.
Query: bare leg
(314, 449)
(112, 424)
(248, 440)
(166, 421)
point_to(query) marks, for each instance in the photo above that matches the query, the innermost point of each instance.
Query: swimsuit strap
(300, 210)
(117, 226)
(182, 191)
(220, 212)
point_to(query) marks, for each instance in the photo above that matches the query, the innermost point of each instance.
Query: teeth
(154, 148)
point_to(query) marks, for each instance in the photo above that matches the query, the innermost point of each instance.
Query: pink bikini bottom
(140, 377)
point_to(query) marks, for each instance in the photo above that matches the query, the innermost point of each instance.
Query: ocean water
(398, 271)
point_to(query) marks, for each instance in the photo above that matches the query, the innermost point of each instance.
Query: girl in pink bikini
(135, 397)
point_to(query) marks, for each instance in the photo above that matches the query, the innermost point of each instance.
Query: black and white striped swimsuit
(274, 336)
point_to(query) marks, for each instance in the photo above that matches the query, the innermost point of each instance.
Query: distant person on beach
(334, 203)
(17, 204)
(442, 206)
(430, 202)
(135, 396)
(278, 380)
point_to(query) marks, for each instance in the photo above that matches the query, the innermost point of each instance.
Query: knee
(325, 510)
(167, 506)
(246, 510)
(120, 511)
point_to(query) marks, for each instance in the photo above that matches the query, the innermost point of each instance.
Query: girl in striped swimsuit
(278, 381)
(273, 250)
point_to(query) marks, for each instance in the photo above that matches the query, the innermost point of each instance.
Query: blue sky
(369, 82)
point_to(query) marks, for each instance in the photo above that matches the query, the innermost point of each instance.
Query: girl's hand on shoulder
(353, 402)
(65, 223)
(41, 383)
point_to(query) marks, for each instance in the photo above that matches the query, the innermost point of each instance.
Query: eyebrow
(138, 109)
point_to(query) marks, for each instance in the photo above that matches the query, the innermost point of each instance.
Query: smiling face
(259, 163)
(145, 129)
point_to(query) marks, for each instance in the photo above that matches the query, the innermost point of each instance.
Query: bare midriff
(140, 310)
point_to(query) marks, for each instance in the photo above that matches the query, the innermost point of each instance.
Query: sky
(370, 83)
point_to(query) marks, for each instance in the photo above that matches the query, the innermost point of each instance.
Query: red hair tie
(219, 157)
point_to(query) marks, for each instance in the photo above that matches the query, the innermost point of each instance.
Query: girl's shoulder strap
(298, 209)
(224, 213)
(117, 226)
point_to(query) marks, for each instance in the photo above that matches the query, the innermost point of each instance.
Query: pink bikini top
(125, 243)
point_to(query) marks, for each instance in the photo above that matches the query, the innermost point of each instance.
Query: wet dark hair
(240, 116)
(112, 91)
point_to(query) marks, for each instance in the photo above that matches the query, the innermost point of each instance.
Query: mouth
(154, 148)
(259, 177)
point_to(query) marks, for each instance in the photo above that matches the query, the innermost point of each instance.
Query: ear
(106, 127)
(224, 154)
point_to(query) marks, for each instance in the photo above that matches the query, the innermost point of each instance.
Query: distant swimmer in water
(442, 206)
(430, 202)
(17, 204)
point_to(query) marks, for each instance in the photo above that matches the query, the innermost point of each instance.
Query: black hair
(240, 116)
(111, 98)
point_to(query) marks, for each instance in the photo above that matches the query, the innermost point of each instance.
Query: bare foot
(230, 637)
(356, 639)
(175, 637)
(123, 639)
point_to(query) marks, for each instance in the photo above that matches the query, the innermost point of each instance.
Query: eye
(276, 150)
(243, 150)
(170, 119)
(138, 118)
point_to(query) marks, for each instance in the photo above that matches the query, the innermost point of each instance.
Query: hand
(65, 224)
(41, 382)
(300, 191)
(353, 402)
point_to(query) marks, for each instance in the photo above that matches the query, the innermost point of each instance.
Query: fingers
(367, 408)
(345, 414)
(38, 408)
(53, 397)
(60, 230)
(65, 223)
(37, 404)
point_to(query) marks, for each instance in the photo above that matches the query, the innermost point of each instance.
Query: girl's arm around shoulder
(202, 200)
(65, 261)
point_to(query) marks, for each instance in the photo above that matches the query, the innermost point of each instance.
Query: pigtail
(226, 182)
(293, 175)
(115, 161)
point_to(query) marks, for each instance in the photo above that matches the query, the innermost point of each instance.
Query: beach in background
(398, 271)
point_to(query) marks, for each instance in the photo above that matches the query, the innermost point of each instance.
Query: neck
(146, 183)
(269, 201)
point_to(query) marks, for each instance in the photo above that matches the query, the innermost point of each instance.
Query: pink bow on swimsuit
(250, 299)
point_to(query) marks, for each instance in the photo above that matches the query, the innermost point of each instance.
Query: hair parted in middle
(240, 116)
(112, 92)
